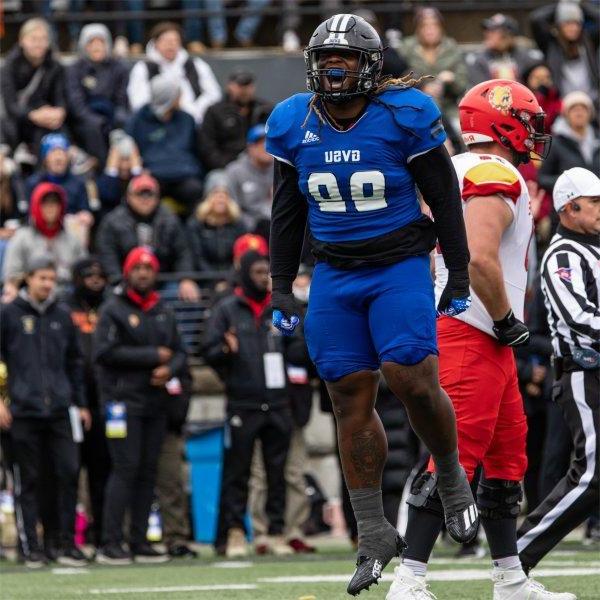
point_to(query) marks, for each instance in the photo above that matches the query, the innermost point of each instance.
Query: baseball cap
(255, 133)
(143, 183)
(242, 77)
(572, 184)
(141, 255)
(500, 21)
(53, 141)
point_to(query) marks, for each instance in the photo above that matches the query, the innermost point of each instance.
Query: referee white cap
(573, 184)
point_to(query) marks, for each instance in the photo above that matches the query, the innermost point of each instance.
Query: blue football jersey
(356, 181)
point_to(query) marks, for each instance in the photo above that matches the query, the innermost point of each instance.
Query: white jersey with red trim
(490, 175)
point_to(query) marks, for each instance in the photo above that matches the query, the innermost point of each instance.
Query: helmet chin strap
(517, 157)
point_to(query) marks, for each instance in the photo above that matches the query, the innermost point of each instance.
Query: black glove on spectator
(510, 331)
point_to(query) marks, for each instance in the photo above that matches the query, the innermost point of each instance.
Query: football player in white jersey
(502, 125)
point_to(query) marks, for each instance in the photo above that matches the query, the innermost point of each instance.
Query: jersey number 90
(367, 191)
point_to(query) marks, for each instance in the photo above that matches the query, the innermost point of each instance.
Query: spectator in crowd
(13, 205)
(55, 167)
(32, 84)
(431, 52)
(142, 221)
(215, 226)
(96, 91)
(89, 286)
(251, 179)
(223, 133)
(141, 357)
(123, 163)
(501, 57)
(165, 55)
(170, 485)
(166, 137)
(571, 52)
(250, 358)
(575, 143)
(39, 344)
(45, 237)
(538, 79)
(299, 372)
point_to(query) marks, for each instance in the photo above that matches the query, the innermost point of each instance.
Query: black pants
(186, 191)
(30, 438)
(557, 449)
(93, 139)
(96, 460)
(578, 493)
(274, 429)
(134, 463)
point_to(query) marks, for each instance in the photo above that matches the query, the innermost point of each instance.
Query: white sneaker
(513, 584)
(237, 546)
(407, 586)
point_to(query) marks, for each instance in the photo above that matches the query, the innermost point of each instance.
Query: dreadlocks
(405, 82)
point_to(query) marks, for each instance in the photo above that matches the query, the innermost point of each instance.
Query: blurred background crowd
(133, 166)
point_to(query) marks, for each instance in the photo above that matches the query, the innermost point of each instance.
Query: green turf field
(319, 577)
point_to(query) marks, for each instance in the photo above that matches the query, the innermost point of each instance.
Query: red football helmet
(506, 112)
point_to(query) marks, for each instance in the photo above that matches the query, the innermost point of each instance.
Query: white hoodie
(138, 88)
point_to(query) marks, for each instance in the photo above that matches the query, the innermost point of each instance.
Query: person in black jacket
(38, 343)
(250, 358)
(142, 221)
(96, 91)
(141, 358)
(32, 84)
(89, 287)
(222, 136)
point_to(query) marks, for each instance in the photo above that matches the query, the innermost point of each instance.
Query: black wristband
(459, 282)
(282, 283)
(507, 321)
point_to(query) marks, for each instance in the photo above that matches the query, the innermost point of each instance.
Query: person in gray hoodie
(96, 91)
(250, 178)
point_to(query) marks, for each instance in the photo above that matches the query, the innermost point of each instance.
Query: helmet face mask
(343, 34)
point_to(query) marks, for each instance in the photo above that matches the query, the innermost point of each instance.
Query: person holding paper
(141, 358)
(38, 343)
(250, 356)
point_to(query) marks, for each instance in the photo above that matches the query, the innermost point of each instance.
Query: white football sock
(508, 562)
(418, 568)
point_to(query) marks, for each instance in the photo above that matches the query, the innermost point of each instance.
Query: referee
(571, 286)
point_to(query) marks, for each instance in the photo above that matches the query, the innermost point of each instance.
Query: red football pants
(480, 376)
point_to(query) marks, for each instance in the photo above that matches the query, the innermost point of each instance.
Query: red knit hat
(140, 255)
(250, 241)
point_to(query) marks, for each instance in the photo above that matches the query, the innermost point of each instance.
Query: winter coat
(16, 74)
(74, 186)
(450, 58)
(40, 348)
(119, 233)
(97, 92)
(565, 153)
(243, 372)
(222, 136)
(252, 188)
(194, 104)
(126, 349)
(545, 35)
(168, 148)
(212, 247)
(484, 64)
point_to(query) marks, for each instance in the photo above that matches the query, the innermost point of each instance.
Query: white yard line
(453, 575)
(174, 589)
(70, 571)
(234, 564)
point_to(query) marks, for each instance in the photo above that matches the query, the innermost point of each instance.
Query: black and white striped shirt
(571, 285)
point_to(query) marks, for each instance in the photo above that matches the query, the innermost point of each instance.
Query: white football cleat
(407, 586)
(512, 584)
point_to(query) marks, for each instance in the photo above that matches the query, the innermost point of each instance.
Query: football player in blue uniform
(349, 156)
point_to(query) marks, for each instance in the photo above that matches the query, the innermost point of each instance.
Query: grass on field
(572, 568)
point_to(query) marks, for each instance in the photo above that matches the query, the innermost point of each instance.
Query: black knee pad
(499, 498)
(424, 494)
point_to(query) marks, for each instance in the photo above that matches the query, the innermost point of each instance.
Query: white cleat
(407, 586)
(515, 585)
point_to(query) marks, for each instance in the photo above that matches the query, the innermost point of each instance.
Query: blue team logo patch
(564, 273)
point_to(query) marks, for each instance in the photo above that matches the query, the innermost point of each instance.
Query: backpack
(190, 72)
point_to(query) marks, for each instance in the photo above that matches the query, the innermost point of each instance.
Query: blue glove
(456, 306)
(456, 297)
(285, 325)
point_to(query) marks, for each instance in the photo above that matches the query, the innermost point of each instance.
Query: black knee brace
(424, 494)
(498, 498)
